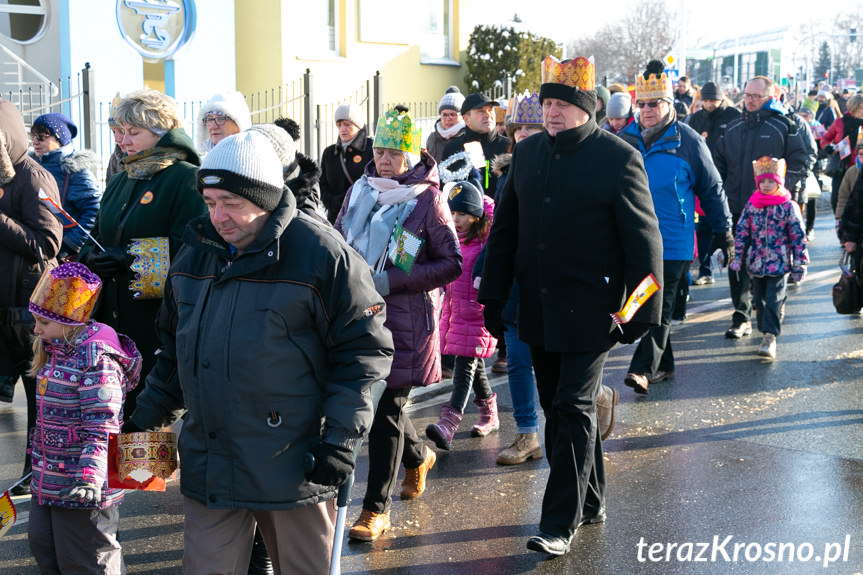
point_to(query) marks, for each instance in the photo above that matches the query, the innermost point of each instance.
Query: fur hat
(452, 100)
(247, 165)
(572, 81)
(466, 198)
(66, 294)
(619, 106)
(282, 142)
(59, 125)
(474, 101)
(352, 113)
(711, 91)
(230, 104)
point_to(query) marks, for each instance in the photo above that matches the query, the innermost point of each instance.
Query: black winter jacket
(334, 183)
(711, 124)
(492, 145)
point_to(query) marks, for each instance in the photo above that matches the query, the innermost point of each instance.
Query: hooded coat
(80, 195)
(82, 403)
(270, 352)
(335, 161)
(158, 207)
(413, 303)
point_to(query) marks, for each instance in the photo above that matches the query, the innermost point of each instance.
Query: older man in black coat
(576, 227)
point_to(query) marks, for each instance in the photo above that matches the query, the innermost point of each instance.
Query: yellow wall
(268, 56)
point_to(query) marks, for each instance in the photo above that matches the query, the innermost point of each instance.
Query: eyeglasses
(650, 104)
(749, 96)
(219, 120)
(39, 137)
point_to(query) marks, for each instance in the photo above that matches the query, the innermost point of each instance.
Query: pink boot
(488, 421)
(443, 431)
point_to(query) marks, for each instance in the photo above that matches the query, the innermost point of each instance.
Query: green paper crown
(396, 131)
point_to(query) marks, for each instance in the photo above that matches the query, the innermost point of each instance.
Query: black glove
(829, 149)
(107, 264)
(333, 465)
(491, 315)
(724, 242)
(130, 427)
(632, 332)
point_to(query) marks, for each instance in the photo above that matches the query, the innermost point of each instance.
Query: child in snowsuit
(83, 370)
(771, 243)
(462, 329)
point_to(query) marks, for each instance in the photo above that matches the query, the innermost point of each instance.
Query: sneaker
(703, 281)
(661, 376)
(738, 330)
(810, 235)
(637, 382)
(768, 346)
(370, 525)
(676, 321)
(547, 543)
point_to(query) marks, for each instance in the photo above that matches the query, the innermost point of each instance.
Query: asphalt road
(737, 452)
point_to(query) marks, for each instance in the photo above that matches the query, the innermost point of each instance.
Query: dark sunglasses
(650, 104)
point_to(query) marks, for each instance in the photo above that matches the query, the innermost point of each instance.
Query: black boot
(7, 388)
(259, 563)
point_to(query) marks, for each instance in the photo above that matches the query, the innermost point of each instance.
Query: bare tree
(622, 49)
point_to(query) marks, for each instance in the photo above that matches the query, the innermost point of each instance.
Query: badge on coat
(2, 192)
(43, 386)
(358, 159)
(147, 198)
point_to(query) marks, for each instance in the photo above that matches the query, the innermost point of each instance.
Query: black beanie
(584, 99)
(466, 198)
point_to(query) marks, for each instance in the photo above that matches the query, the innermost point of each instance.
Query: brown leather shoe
(637, 382)
(499, 366)
(608, 398)
(526, 446)
(370, 525)
(415, 479)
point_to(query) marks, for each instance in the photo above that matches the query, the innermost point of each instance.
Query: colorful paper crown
(526, 109)
(767, 167)
(576, 73)
(66, 294)
(396, 131)
(152, 258)
(654, 87)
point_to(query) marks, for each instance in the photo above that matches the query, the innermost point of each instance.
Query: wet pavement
(736, 453)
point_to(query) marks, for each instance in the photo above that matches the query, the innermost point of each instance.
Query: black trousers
(16, 353)
(568, 385)
(392, 440)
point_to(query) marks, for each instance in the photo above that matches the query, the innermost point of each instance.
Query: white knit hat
(452, 100)
(352, 113)
(282, 142)
(230, 104)
(247, 165)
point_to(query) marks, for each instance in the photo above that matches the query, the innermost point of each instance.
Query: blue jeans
(768, 294)
(522, 384)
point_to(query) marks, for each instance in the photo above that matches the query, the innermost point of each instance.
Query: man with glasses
(761, 130)
(679, 169)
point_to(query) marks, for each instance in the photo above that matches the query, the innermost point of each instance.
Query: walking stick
(344, 496)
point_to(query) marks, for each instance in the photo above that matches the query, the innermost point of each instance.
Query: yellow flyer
(642, 293)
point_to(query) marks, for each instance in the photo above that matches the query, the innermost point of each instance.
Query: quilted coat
(85, 384)
(770, 241)
(413, 304)
(462, 330)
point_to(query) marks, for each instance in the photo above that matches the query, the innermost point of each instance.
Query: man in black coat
(576, 227)
(761, 130)
(478, 114)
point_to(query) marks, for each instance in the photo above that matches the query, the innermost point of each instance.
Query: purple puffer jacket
(413, 304)
(770, 241)
(462, 330)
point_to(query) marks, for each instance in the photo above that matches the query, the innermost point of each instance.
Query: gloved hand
(107, 264)
(491, 315)
(632, 332)
(82, 491)
(829, 149)
(130, 427)
(333, 465)
(798, 275)
(725, 243)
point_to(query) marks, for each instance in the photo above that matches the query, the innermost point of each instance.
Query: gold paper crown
(576, 73)
(66, 294)
(526, 109)
(766, 165)
(396, 131)
(653, 88)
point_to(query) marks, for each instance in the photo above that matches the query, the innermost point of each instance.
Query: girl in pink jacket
(462, 330)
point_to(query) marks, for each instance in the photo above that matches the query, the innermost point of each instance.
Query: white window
(435, 29)
(322, 30)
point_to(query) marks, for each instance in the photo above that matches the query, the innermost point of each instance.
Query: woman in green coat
(152, 199)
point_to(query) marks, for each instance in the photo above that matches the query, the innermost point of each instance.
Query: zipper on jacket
(426, 306)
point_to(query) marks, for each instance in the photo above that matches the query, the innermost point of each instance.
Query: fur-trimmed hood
(500, 164)
(72, 161)
(303, 177)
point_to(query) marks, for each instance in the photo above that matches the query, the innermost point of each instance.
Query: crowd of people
(206, 271)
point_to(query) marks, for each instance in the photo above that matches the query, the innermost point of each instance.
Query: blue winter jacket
(679, 168)
(82, 197)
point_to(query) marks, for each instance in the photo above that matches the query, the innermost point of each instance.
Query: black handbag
(846, 292)
(834, 168)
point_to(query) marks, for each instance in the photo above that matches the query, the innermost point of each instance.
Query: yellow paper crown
(576, 73)
(653, 88)
(66, 294)
(766, 165)
(396, 131)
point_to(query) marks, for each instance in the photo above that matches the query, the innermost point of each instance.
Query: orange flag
(8, 515)
(642, 293)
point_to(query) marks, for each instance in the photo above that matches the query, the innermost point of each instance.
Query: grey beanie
(247, 165)
(352, 113)
(711, 91)
(282, 142)
(452, 100)
(619, 105)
